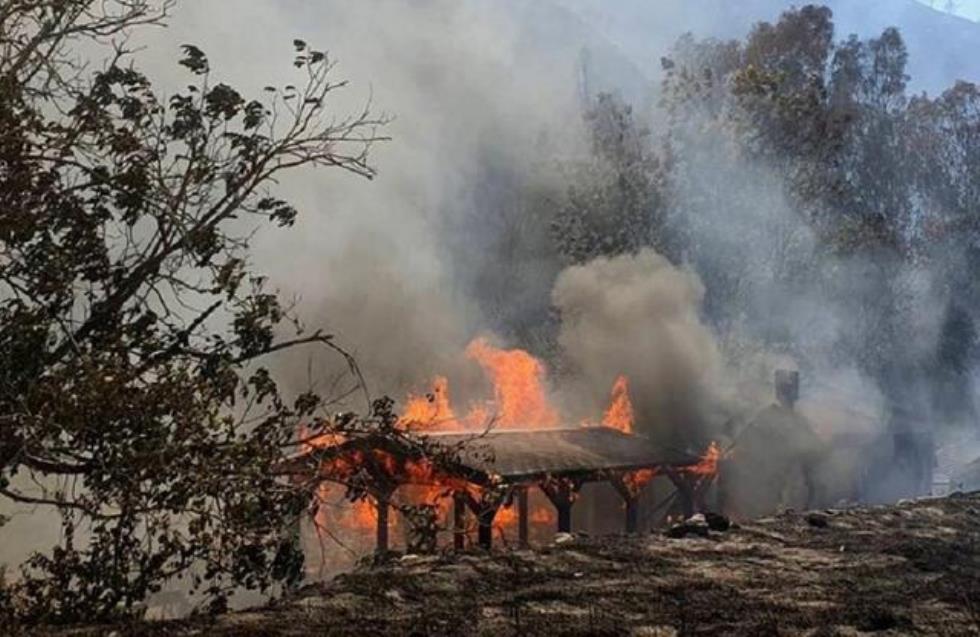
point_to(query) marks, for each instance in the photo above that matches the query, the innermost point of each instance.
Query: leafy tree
(831, 113)
(944, 144)
(884, 185)
(798, 106)
(613, 204)
(133, 328)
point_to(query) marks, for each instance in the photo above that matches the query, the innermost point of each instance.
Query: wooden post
(381, 546)
(685, 492)
(631, 499)
(522, 516)
(561, 496)
(632, 516)
(485, 531)
(485, 509)
(564, 506)
(459, 520)
(485, 513)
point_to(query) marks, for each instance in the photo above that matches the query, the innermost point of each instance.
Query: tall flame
(518, 384)
(619, 415)
(431, 411)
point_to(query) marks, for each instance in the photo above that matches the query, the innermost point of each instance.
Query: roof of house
(515, 454)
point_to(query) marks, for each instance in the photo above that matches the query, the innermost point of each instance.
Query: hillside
(911, 568)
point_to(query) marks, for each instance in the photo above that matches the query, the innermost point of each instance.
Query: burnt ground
(913, 568)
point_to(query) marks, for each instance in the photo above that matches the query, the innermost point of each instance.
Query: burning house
(519, 469)
(499, 468)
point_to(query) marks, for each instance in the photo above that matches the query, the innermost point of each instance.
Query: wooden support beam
(632, 516)
(564, 516)
(486, 514)
(631, 498)
(382, 498)
(485, 529)
(486, 508)
(459, 520)
(562, 496)
(383, 504)
(685, 492)
(522, 516)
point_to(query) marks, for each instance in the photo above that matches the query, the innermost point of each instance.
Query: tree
(133, 396)
(874, 197)
(944, 144)
(824, 118)
(613, 204)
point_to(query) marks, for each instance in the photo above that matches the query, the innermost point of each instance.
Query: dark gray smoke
(639, 316)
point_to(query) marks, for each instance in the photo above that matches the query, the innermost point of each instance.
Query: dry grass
(910, 569)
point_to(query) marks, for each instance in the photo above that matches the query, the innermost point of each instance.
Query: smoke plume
(638, 315)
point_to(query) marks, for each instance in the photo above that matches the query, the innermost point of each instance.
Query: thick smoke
(405, 269)
(639, 316)
(777, 299)
(479, 93)
(447, 242)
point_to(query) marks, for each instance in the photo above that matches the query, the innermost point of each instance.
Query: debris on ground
(886, 570)
(818, 520)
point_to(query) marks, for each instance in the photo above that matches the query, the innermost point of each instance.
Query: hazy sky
(966, 8)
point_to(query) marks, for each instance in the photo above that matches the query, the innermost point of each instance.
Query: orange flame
(520, 400)
(543, 516)
(636, 480)
(708, 466)
(354, 521)
(619, 415)
(518, 386)
(506, 517)
(431, 412)
(309, 441)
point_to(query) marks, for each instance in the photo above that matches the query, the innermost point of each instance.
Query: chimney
(787, 384)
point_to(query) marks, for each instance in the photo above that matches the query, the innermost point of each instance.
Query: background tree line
(792, 170)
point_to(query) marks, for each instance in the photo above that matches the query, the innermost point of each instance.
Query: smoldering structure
(498, 470)
(511, 443)
(535, 461)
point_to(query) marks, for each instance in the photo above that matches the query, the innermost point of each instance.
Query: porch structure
(504, 464)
